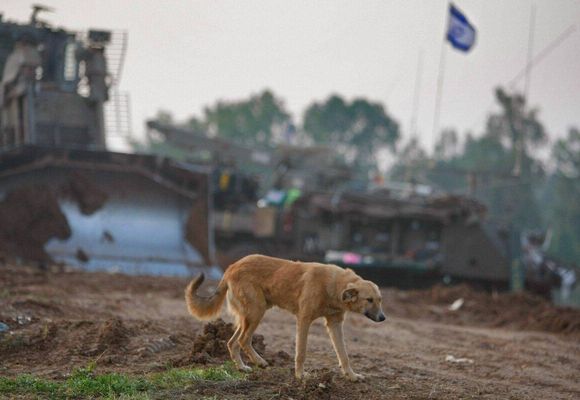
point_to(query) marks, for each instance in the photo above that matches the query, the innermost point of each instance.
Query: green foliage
(258, 122)
(516, 122)
(412, 164)
(355, 129)
(328, 122)
(512, 175)
(255, 121)
(564, 204)
(180, 377)
(485, 154)
(164, 116)
(486, 164)
(566, 153)
(84, 383)
(24, 384)
(447, 146)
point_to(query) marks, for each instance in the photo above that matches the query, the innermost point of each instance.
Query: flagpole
(520, 146)
(440, 77)
(532, 28)
(416, 97)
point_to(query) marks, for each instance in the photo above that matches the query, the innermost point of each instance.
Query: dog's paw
(245, 368)
(262, 363)
(355, 377)
(302, 375)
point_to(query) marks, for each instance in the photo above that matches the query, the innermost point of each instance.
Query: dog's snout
(375, 317)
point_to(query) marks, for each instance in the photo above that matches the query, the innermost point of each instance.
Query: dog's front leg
(334, 327)
(302, 327)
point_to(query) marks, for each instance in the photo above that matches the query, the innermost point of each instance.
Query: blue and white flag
(460, 33)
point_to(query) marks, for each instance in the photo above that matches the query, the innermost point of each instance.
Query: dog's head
(364, 297)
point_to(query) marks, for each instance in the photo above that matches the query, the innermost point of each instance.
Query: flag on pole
(460, 33)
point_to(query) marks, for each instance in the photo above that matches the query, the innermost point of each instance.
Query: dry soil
(516, 346)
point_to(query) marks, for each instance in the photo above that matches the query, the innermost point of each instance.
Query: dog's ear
(350, 295)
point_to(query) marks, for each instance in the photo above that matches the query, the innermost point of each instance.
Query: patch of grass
(24, 384)
(84, 383)
(176, 377)
(81, 384)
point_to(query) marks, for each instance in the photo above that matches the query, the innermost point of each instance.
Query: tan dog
(308, 290)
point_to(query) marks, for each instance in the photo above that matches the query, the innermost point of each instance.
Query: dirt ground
(512, 346)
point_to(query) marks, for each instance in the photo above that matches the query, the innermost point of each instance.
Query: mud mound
(45, 335)
(440, 294)
(113, 334)
(258, 344)
(514, 310)
(89, 196)
(524, 311)
(212, 344)
(283, 357)
(37, 308)
(214, 339)
(29, 217)
(39, 338)
(319, 384)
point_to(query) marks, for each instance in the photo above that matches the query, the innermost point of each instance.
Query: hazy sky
(184, 55)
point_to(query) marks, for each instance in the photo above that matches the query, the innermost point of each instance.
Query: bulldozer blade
(126, 213)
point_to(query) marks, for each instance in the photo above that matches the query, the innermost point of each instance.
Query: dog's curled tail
(204, 308)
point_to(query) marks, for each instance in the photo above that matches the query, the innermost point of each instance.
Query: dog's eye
(370, 299)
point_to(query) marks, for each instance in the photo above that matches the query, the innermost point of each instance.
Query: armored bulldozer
(64, 196)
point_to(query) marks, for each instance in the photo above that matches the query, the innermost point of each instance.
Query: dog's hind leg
(236, 309)
(234, 348)
(251, 323)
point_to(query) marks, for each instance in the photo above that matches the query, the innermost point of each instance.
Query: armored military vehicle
(64, 196)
